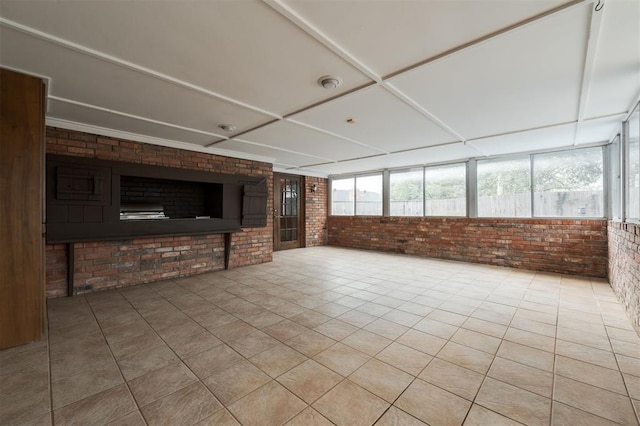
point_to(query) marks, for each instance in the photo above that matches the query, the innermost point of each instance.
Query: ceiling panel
(85, 79)
(241, 49)
(293, 137)
(282, 157)
(527, 78)
(370, 30)
(616, 71)
(80, 114)
(425, 156)
(533, 140)
(381, 120)
(599, 130)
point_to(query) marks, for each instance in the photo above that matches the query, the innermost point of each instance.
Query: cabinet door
(21, 169)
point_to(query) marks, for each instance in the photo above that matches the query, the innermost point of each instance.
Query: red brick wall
(316, 212)
(624, 266)
(563, 246)
(119, 263)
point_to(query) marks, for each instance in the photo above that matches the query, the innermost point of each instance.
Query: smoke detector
(227, 127)
(329, 82)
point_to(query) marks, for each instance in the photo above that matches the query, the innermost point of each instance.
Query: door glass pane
(568, 184)
(342, 197)
(406, 193)
(445, 190)
(369, 195)
(504, 187)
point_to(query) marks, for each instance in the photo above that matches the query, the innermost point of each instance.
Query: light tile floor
(328, 335)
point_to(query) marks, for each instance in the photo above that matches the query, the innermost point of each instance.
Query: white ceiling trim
(335, 135)
(413, 104)
(595, 17)
(137, 117)
(281, 149)
(294, 170)
(322, 38)
(127, 64)
(119, 134)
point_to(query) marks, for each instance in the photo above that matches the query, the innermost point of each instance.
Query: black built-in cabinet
(84, 198)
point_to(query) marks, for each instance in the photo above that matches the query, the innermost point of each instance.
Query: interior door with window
(288, 212)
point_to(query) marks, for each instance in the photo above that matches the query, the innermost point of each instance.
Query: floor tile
(29, 394)
(514, 403)
(154, 385)
(309, 417)
(336, 329)
(591, 399)
(527, 338)
(234, 382)
(403, 318)
(436, 328)
(272, 404)
(350, 405)
(310, 343)
(253, 343)
(310, 319)
(278, 360)
(433, 405)
(381, 379)
(145, 361)
(522, 376)
(341, 358)
(387, 329)
(367, 342)
(132, 419)
(598, 376)
(357, 318)
(453, 378)
(447, 317)
(586, 354)
(485, 327)
(480, 416)
(216, 359)
(310, 380)
(473, 339)
(108, 405)
(466, 357)
(285, 330)
(396, 417)
(564, 415)
(404, 358)
(74, 388)
(219, 418)
(186, 406)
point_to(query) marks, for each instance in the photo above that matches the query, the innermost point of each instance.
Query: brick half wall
(576, 247)
(624, 267)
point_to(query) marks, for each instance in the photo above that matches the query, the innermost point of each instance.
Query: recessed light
(227, 127)
(329, 82)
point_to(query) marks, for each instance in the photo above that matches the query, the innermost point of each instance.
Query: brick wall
(108, 264)
(316, 212)
(624, 267)
(563, 246)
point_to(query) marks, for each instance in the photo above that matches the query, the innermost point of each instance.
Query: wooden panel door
(21, 209)
(288, 208)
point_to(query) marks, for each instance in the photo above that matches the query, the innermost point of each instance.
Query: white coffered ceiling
(423, 81)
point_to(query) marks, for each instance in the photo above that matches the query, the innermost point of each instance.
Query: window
(343, 197)
(568, 184)
(406, 193)
(615, 184)
(504, 187)
(369, 195)
(445, 190)
(633, 166)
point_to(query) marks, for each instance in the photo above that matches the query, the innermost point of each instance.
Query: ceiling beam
(595, 16)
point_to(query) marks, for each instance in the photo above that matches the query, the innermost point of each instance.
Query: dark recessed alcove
(179, 199)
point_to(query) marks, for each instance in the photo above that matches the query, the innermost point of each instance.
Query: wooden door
(21, 208)
(288, 222)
